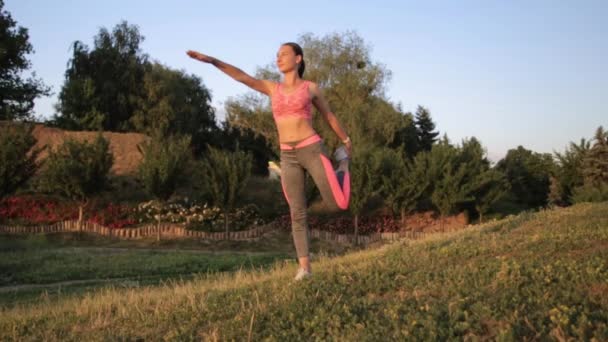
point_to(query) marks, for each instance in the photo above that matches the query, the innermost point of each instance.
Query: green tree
(528, 175)
(594, 170)
(367, 168)
(252, 112)
(103, 85)
(17, 157)
(595, 164)
(569, 172)
(425, 128)
(165, 162)
(405, 183)
(406, 136)
(17, 95)
(247, 140)
(452, 186)
(78, 170)
(175, 103)
(488, 187)
(225, 175)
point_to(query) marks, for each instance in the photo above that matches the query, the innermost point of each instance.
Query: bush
(77, 170)
(164, 164)
(590, 193)
(225, 175)
(17, 159)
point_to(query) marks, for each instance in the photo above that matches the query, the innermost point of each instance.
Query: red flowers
(346, 225)
(37, 211)
(32, 210)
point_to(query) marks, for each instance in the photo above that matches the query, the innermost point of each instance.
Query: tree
(165, 161)
(489, 186)
(595, 164)
(569, 172)
(528, 175)
(425, 128)
(594, 169)
(225, 175)
(17, 157)
(452, 187)
(102, 86)
(175, 103)
(367, 168)
(78, 170)
(406, 137)
(405, 184)
(17, 95)
(245, 139)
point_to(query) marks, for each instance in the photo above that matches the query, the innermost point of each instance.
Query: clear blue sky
(531, 73)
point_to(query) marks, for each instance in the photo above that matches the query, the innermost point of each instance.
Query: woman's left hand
(349, 149)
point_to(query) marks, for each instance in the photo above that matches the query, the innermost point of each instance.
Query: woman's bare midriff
(294, 129)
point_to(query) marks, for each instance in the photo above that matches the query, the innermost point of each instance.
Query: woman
(301, 147)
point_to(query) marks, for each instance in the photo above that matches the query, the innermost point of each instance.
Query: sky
(510, 73)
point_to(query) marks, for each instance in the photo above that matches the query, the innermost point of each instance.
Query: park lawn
(56, 266)
(537, 275)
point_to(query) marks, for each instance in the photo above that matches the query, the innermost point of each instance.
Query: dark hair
(297, 49)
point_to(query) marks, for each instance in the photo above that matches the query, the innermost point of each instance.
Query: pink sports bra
(297, 103)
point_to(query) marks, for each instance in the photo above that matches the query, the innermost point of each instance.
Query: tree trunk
(158, 229)
(80, 218)
(356, 229)
(226, 222)
(480, 217)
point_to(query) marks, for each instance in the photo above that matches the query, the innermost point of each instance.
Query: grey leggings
(310, 155)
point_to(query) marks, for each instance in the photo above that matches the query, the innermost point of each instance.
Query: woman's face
(287, 59)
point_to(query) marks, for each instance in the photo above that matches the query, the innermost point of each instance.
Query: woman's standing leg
(292, 181)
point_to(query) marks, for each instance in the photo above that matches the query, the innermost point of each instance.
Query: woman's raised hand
(199, 56)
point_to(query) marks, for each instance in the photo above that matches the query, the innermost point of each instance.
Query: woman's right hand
(199, 56)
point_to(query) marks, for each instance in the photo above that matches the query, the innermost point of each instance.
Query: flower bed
(30, 210)
(346, 225)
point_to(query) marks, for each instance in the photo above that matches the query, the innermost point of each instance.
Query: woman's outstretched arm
(263, 86)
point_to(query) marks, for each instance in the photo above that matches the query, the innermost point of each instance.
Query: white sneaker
(340, 154)
(302, 274)
(274, 168)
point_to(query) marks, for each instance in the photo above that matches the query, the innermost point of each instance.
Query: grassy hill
(534, 276)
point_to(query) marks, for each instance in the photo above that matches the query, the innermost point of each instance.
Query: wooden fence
(162, 230)
(176, 231)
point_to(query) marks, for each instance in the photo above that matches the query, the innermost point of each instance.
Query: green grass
(534, 276)
(55, 266)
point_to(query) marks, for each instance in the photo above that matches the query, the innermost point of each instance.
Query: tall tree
(234, 138)
(595, 164)
(405, 183)
(528, 175)
(369, 164)
(102, 85)
(17, 95)
(406, 136)
(570, 170)
(425, 128)
(175, 103)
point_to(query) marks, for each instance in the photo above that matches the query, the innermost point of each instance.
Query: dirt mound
(430, 222)
(123, 145)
